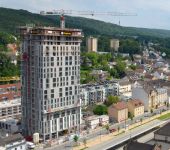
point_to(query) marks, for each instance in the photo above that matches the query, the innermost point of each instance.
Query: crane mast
(62, 13)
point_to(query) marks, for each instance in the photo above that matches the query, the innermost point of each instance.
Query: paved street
(115, 140)
(123, 137)
(101, 131)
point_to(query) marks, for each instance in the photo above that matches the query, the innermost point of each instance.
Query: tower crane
(62, 13)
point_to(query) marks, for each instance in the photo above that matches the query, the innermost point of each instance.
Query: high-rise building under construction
(50, 72)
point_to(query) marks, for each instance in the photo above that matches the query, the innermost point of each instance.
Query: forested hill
(11, 18)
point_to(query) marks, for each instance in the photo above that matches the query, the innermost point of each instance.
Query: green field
(164, 117)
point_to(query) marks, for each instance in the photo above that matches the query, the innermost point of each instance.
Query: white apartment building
(10, 108)
(96, 93)
(50, 80)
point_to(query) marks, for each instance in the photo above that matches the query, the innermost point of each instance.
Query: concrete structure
(10, 125)
(10, 108)
(92, 44)
(103, 119)
(92, 122)
(163, 133)
(114, 44)
(13, 142)
(135, 107)
(134, 145)
(118, 111)
(50, 80)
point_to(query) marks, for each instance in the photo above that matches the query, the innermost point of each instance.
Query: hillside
(11, 18)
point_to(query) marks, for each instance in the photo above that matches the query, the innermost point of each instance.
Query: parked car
(112, 130)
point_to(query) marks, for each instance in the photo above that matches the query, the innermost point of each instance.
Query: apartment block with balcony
(10, 109)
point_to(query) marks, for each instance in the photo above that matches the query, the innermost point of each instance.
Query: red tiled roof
(136, 102)
(5, 86)
(120, 105)
(9, 95)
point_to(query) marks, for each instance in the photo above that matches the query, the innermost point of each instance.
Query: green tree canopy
(7, 69)
(130, 46)
(111, 100)
(100, 110)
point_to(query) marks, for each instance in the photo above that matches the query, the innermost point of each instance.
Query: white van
(30, 145)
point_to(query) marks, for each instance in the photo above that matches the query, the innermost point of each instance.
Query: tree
(107, 127)
(76, 138)
(130, 115)
(118, 128)
(141, 120)
(111, 100)
(100, 110)
(130, 46)
(120, 67)
(133, 67)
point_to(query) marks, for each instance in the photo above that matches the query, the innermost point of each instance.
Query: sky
(150, 13)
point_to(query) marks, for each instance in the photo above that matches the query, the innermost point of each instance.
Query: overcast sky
(150, 13)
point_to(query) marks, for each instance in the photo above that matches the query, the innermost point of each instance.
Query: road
(98, 132)
(127, 135)
(143, 139)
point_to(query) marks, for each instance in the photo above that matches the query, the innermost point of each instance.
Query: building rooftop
(120, 105)
(124, 82)
(136, 102)
(134, 145)
(11, 139)
(39, 30)
(165, 130)
(10, 86)
(10, 96)
(6, 104)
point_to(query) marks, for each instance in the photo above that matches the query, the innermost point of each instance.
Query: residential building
(125, 88)
(10, 92)
(135, 107)
(118, 111)
(50, 80)
(10, 125)
(114, 44)
(103, 120)
(134, 145)
(162, 96)
(151, 96)
(100, 75)
(92, 122)
(98, 92)
(163, 133)
(10, 108)
(13, 142)
(92, 44)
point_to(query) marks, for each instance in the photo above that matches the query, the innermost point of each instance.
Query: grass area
(164, 117)
(84, 148)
